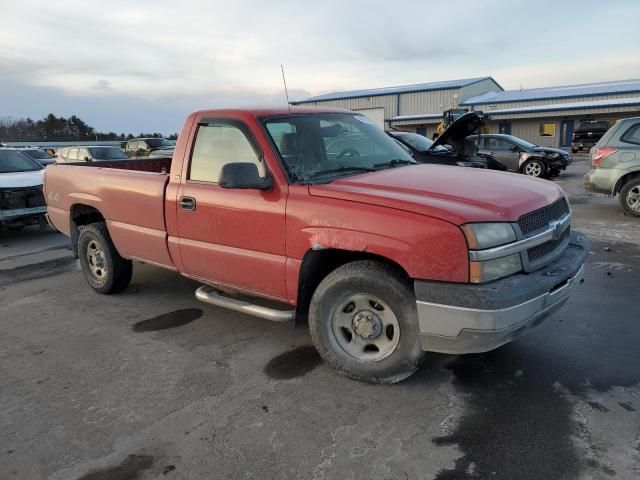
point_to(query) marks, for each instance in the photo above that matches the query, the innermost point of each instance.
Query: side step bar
(215, 297)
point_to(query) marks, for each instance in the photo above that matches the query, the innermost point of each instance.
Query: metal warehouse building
(544, 116)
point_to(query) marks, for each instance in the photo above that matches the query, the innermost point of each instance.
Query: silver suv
(615, 165)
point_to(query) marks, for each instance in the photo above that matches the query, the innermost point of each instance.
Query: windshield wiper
(345, 168)
(395, 163)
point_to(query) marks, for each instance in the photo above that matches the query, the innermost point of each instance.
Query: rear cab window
(216, 145)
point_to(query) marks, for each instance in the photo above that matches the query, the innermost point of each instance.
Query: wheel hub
(367, 325)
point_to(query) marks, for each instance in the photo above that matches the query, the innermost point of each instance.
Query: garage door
(376, 115)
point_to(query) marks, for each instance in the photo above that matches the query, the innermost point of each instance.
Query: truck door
(234, 237)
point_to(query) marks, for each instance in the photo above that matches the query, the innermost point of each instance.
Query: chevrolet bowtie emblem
(557, 229)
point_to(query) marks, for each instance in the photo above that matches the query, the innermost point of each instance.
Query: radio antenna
(286, 92)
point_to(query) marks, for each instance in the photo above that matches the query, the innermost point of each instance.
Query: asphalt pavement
(151, 383)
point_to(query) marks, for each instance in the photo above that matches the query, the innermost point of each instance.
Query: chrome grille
(539, 219)
(540, 251)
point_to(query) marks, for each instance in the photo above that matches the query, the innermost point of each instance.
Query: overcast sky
(131, 66)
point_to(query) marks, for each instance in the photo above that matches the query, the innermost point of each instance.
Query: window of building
(548, 129)
(216, 145)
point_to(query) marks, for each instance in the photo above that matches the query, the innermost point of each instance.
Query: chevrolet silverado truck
(383, 257)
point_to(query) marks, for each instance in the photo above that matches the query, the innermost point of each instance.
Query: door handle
(187, 203)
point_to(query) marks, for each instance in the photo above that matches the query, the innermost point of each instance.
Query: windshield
(108, 154)
(419, 142)
(321, 147)
(158, 142)
(37, 154)
(13, 161)
(521, 142)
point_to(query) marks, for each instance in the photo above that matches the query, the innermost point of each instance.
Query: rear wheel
(534, 168)
(630, 197)
(103, 267)
(364, 323)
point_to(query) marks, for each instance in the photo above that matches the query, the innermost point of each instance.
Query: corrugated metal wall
(435, 101)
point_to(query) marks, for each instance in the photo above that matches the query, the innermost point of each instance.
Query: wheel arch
(317, 264)
(81, 214)
(623, 180)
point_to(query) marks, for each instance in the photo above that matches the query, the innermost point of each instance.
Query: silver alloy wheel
(633, 198)
(95, 260)
(533, 169)
(365, 327)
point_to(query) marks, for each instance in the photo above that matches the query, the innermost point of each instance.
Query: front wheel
(534, 168)
(103, 267)
(630, 197)
(364, 323)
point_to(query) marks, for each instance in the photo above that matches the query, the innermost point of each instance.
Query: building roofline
(614, 102)
(364, 93)
(470, 101)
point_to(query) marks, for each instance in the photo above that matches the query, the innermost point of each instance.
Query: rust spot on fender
(337, 239)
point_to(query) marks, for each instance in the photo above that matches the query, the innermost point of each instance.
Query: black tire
(630, 190)
(534, 168)
(367, 278)
(114, 271)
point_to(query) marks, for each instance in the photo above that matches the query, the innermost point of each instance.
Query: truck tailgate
(131, 202)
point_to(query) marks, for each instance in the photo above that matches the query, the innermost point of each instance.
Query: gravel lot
(153, 384)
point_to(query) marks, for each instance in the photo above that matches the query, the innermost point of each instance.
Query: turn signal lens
(481, 272)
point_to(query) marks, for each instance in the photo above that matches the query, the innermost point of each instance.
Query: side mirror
(243, 175)
(515, 149)
(87, 159)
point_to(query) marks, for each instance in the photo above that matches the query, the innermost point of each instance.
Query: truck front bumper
(466, 318)
(21, 214)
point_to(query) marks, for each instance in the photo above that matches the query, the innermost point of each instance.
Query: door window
(216, 145)
(73, 155)
(497, 144)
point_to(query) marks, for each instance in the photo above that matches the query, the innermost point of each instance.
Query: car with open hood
(520, 156)
(451, 147)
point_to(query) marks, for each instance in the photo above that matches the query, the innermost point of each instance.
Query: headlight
(486, 235)
(481, 272)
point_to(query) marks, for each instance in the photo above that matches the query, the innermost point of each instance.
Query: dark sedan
(520, 156)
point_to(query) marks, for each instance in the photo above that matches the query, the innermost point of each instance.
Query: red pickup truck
(317, 215)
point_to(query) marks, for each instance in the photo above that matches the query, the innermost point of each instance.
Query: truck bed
(157, 165)
(129, 194)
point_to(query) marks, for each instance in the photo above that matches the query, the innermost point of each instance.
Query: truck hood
(21, 179)
(454, 194)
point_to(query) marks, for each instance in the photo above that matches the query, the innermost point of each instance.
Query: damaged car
(520, 156)
(21, 199)
(451, 147)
